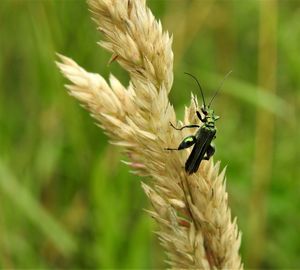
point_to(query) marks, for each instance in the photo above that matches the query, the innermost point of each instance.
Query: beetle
(202, 140)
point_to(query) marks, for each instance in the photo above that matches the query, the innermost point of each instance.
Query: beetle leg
(203, 120)
(209, 152)
(186, 143)
(188, 126)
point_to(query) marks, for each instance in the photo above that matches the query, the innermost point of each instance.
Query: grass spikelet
(195, 225)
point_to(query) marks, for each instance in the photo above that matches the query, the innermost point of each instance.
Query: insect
(206, 133)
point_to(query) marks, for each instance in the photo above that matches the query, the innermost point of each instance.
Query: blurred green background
(66, 200)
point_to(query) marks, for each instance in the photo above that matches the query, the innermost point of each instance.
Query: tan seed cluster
(195, 225)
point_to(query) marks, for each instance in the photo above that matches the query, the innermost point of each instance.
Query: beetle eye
(203, 111)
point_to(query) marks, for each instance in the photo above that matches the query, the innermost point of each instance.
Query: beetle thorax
(210, 118)
(210, 122)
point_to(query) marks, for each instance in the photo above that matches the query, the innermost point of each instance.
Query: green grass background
(66, 201)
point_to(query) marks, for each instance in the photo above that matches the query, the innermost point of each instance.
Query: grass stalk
(265, 121)
(195, 224)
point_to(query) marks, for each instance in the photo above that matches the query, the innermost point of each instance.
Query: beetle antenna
(221, 85)
(198, 85)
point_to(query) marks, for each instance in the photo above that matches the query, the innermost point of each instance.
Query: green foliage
(67, 201)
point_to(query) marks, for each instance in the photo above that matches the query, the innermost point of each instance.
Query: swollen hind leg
(186, 143)
(209, 152)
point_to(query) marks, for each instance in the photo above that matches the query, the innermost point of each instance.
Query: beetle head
(204, 110)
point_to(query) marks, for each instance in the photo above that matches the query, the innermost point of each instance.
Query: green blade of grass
(252, 94)
(31, 208)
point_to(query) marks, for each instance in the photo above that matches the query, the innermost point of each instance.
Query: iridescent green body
(203, 149)
(202, 140)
